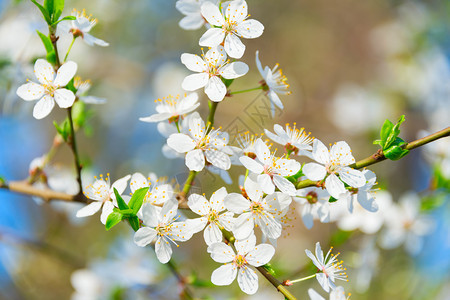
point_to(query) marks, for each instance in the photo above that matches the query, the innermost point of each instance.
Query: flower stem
(379, 156)
(212, 111)
(247, 90)
(70, 48)
(301, 279)
(188, 183)
(73, 145)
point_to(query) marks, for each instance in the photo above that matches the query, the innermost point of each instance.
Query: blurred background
(350, 65)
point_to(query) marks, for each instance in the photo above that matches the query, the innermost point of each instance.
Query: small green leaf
(394, 132)
(134, 222)
(46, 41)
(120, 202)
(137, 199)
(395, 152)
(63, 129)
(67, 18)
(70, 86)
(269, 269)
(113, 219)
(58, 6)
(44, 12)
(384, 133)
(227, 82)
(48, 5)
(332, 199)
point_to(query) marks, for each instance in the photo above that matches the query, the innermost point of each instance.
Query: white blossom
(337, 294)
(159, 191)
(229, 26)
(50, 88)
(210, 68)
(330, 268)
(293, 139)
(364, 195)
(81, 26)
(213, 215)
(199, 144)
(238, 264)
(103, 195)
(271, 170)
(334, 162)
(274, 83)
(160, 226)
(193, 17)
(315, 205)
(254, 210)
(172, 108)
(82, 88)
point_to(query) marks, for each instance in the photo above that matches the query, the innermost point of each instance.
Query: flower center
(240, 261)
(229, 26)
(213, 217)
(312, 197)
(50, 89)
(256, 208)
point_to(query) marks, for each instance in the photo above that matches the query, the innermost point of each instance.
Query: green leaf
(63, 129)
(113, 219)
(67, 18)
(332, 199)
(58, 6)
(395, 152)
(44, 12)
(227, 82)
(384, 133)
(70, 86)
(51, 56)
(137, 199)
(134, 222)
(48, 5)
(120, 202)
(394, 132)
(269, 269)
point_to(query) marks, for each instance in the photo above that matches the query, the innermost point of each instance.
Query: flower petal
(265, 182)
(107, 209)
(193, 62)
(195, 160)
(334, 186)
(221, 252)
(261, 255)
(198, 204)
(64, 98)
(224, 275)
(92, 40)
(89, 209)
(195, 81)
(218, 159)
(212, 14)
(233, 46)
(120, 185)
(43, 107)
(191, 22)
(247, 280)
(144, 236)
(243, 226)
(251, 164)
(236, 11)
(215, 89)
(30, 91)
(65, 73)
(284, 185)
(250, 29)
(163, 250)
(212, 234)
(320, 152)
(44, 71)
(314, 171)
(236, 203)
(212, 37)
(234, 70)
(352, 177)
(181, 142)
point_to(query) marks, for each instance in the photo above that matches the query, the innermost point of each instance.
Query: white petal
(89, 209)
(216, 56)
(234, 70)
(313, 295)
(366, 202)
(169, 210)
(217, 198)
(233, 46)
(212, 37)
(265, 182)
(307, 216)
(138, 181)
(250, 29)
(258, 64)
(107, 209)
(247, 280)
(195, 160)
(163, 250)
(275, 138)
(43, 107)
(221, 252)
(192, 22)
(275, 99)
(261, 255)
(30, 91)
(195, 81)
(181, 142)
(323, 281)
(197, 224)
(237, 11)
(64, 98)
(193, 62)
(352, 177)
(270, 226)
(284, 185)
(334, 186)
(215, 89)
(218, 159)
(341, 152)
(212, 14)
(198, 204)
(263, 152)
(44, 71)
(224, 275)
(244, 246)
(120, 185)
(253, 189)
(212, 234)
(65, 73)
(144, 236)
(236, 203)
(243, 226)
(314, 171)
(149, 214)
(91, 40)
(320, 152)
(251, 164)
